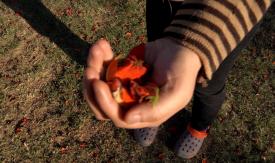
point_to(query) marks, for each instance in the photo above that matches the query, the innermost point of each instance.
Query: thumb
(148, 114)
(172, 98)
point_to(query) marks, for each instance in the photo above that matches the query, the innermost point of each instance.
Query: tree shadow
(47, 24)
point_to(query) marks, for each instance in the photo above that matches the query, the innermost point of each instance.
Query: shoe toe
(188, 146)
(145, 136)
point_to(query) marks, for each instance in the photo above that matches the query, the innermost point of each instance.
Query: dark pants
(207, 100)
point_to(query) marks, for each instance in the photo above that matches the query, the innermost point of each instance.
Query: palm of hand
(174, 69)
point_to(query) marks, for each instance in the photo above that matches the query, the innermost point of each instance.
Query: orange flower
(127, 69)
(124, 79)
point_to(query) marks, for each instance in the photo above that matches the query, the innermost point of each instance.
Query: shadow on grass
(175, 126)
(45, 23)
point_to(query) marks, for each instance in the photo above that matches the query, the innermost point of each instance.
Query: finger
(107, 103)
(148, 113)
(99, 53)
(89, 75)
(172, 98)
(106, 47)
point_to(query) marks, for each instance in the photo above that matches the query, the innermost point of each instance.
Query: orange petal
(114, 85)
(130, 72)
(126, 97)
(138, 52)
(111, 70)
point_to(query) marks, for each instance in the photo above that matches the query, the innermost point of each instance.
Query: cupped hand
(175, 70)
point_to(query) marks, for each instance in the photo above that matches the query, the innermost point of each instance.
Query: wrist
(192, 57)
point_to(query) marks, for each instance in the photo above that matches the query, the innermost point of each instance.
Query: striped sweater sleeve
(213, 28)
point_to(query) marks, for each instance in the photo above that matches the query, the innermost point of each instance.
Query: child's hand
(99, 56)
(175, 69)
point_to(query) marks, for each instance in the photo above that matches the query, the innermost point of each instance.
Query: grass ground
(43, 117)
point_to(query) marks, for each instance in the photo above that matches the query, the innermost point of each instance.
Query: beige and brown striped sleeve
(213, 28)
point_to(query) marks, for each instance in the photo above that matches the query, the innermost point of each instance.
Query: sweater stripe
(213, 28)
(209, 24)
(256, 9)
(237, 12)
(203, 35)
(214, 21)
(245, 14)
(214, 13)
(250, 12)
(262, 5)
(222, 46)
(196, 37)
(196, 46)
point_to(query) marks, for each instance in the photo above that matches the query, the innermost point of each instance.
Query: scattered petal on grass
(141, 38)
(273, 148)
(128, 35)
(266, 76)
(204, 160)
(18, 13)
(17, 130)
(93, 28)
(22, 122)
(64, 150)
(69, 11)
(94, 154)
(67, 102)
(83, 145)
(161, 156)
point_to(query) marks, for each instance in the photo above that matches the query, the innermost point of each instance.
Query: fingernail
(134, 119)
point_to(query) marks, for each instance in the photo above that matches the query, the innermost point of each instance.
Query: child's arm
(213, 28)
